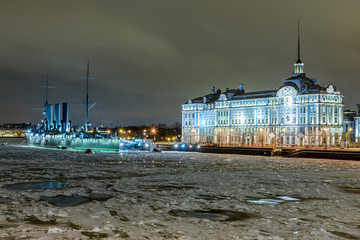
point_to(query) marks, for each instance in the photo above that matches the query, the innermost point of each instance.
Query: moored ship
(52, 132)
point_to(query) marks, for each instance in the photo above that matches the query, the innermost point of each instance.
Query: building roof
(258, 94)
(300, 82)
(234, 94)
(210, 98)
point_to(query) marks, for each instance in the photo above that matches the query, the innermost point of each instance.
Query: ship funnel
(57, 121)
(65, 118)
(49, 117)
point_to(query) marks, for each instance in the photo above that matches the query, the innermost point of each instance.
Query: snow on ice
(140, 195)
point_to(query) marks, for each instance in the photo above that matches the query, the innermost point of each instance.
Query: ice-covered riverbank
(67, 194)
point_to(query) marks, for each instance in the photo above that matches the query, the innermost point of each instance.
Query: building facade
(299, 113)
(353, 127)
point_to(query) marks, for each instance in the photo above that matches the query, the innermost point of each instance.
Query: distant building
(356, 125)
(300, 112)
(349, 125)
(13, 129)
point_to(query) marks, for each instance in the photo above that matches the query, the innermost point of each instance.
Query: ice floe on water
(59, 194)
(287, 198)
(273, 201)
(266, 201)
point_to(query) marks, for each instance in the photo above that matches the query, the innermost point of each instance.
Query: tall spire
(299, 41)
(299, 65)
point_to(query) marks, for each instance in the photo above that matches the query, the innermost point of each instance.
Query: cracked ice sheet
(319, 198)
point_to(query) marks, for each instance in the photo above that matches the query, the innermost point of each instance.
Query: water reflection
(62, 200)
(209, 197)
(38, 186)
(213, 214)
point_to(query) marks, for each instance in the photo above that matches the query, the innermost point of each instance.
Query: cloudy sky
(150, 56)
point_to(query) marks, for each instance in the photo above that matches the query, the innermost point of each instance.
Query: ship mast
(87, 102)
(47, 107)
(87, 98)
(47, 89)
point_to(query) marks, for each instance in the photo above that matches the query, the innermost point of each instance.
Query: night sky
(150, 56)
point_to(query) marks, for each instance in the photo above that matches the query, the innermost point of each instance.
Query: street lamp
(275, 137)
(153, 131)
(349, 136)
(282, 136)
(261, 137)
(219, 138)
(324, 136)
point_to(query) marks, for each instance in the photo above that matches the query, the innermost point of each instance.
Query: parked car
(211, 145)
(194, 145)
(180, 145)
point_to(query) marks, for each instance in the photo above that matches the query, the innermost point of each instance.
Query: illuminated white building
(352, 125)
(357, 125)
(300, 112)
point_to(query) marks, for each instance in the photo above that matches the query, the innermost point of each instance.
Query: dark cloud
(149, 57)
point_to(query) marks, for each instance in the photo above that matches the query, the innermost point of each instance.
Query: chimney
(49, 117)
(65, 117)
(57, 122)
(241, 88)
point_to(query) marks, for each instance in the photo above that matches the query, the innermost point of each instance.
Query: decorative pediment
(222, 97)
(331, 90)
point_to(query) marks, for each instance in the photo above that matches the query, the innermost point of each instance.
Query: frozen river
(66, 194)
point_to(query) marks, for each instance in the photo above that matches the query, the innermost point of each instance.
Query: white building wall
(268, 121)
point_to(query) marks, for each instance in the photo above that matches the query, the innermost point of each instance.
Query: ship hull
(64, 141)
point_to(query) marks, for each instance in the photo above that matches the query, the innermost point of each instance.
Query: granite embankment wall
(345, 154)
